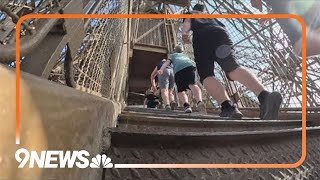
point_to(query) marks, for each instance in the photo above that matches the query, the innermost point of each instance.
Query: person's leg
(311, 18)
(171, 96)
(292, 28)
(270, 102)
(227, 60)
(190, 80)
(215, 89)
(185, 101)
(205, 55)
(249, 80)
(313, 43)
(182, 88)
(172, 101)
(183, 97)
(165, 96)
(196, 92)
(164, 85)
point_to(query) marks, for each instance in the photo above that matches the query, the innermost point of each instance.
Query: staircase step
(178, 114)
(258, 147)
(170, 122)
(151, 136)
(189, 136)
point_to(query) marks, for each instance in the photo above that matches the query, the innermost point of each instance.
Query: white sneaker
(187, 110)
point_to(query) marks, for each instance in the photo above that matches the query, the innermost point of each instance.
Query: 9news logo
(60, 159)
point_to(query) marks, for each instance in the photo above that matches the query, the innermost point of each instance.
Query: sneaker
(231, 112)
(202, 108)
(187, 110)
(168, 107)
(269, 109)
(173, 105)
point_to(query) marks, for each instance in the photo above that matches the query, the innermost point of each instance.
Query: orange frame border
(173, 16)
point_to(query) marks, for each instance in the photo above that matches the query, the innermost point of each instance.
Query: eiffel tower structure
(83, 83)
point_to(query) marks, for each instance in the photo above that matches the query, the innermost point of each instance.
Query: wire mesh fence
(98, 56)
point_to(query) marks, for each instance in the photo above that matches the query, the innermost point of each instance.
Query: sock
(226, 104)
(262, 96)
(186, 105)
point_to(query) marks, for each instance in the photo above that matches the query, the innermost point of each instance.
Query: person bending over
(185, 75)
(151, 99)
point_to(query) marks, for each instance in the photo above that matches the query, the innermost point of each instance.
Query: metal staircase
(159, 137)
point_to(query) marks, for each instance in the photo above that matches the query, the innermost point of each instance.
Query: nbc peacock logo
(101, 161)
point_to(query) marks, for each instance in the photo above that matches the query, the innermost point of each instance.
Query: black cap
(199, 7)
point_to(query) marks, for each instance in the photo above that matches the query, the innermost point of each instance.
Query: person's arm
(152, 78)
(185, 30)
(165, 65)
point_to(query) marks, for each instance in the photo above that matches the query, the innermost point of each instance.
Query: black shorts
(185, 77)
(213, 45)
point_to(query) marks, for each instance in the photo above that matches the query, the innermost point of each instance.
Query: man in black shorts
(211, 43)
(309, 10)
(184, 69)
